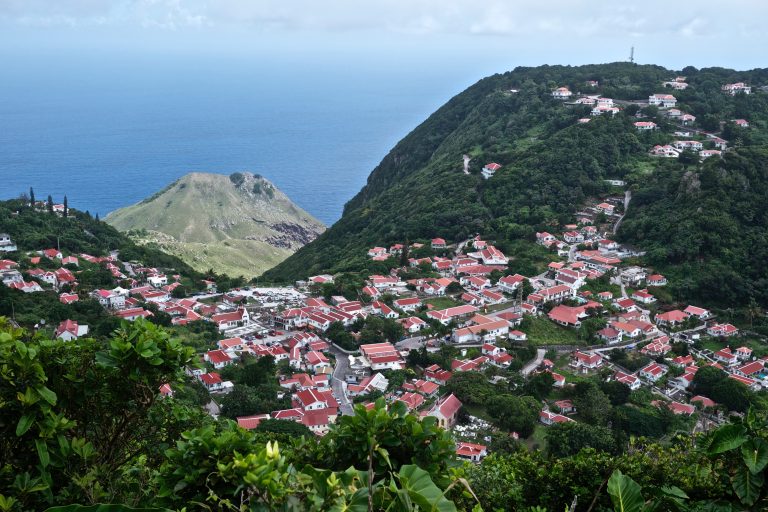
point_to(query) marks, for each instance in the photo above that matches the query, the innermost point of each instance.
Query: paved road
(627, 199)
(527, 369)
(415, 342)
(337, 381)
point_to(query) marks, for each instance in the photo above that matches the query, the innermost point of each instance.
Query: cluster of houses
(667, 103)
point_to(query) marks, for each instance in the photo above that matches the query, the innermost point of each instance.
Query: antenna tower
(632, 55)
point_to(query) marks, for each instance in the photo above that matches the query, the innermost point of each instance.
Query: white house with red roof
(375, 382)
(218, 358)
(69, 330)
(490, 169)
(610, 335)
(437, 375)
(662, 100)
(550, 418)
(132, 314)
(109, 299)
(671, 318)
(68, 298)
(510, 284)
(656, 280)
(562, 93)
(438, 243)
(700, 313)
(753, 370)
(413, 324)
(724, 330)
(445, 316)
(645, 125)
(381, 356)
(446, 410)
(377, 251)
(408, 304)
(251, 422)
(585, 362)
(471, 451)
(743, 353)
(628, 379)
(232, 320)
(653, 372)
(738, 87)
(643, 297)
(317, 361)
(726, 356)
(212, 381)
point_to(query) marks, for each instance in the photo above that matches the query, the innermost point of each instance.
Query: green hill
(552, 164)
(239, 224)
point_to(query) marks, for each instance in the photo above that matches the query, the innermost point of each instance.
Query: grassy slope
(708, 223)
(212, 223)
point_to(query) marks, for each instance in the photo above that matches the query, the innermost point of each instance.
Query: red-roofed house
(446, 410)
(724, 330)
(652, 372)
(628, 379)
(671, 318)
(550, 418)
(69, 330)
(251, 422)
(586, 362)
(470, 451)
(218, 358)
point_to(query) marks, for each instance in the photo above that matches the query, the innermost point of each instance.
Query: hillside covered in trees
(703, 221)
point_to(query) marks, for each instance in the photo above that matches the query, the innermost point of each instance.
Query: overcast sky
(493, 34)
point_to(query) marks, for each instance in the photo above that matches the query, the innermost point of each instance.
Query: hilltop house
(490, 169)
(662, 100)
(6, 245)
(734, 89)
(562, 93)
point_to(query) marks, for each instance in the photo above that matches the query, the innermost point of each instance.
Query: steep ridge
(551, 164)
(239, 224)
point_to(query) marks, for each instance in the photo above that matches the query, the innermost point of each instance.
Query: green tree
(565, 439)
(592, 404)
(515, 414)
(539, 385)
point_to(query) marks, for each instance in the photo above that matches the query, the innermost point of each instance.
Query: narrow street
(338, 384)
(528, 368)
(627, 199)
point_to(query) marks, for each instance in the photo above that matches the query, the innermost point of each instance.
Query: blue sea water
(109, 133)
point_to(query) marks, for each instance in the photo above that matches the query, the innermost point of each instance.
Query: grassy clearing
(541, 331)
(443, 302)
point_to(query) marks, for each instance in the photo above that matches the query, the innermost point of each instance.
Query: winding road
(627, 199)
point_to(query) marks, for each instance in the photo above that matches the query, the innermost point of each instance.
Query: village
(460, 296)
(594, 313)
(685, 135)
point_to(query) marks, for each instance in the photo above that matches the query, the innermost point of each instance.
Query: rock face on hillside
(239, 224)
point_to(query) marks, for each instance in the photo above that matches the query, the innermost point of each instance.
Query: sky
(480, 36)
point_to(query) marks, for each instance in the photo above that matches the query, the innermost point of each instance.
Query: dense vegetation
(82, 422)
(706, 221)
(33, 230)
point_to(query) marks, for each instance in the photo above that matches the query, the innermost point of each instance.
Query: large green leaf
(625, 493)
(755, 454)
(25, 422)
(422, 490)
(726, 438)
(42, 452)
(104, 508)
(747, 486)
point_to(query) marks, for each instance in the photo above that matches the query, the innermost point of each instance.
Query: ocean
(110, 133)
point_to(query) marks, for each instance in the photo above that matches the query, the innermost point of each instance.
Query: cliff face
(238, 224)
